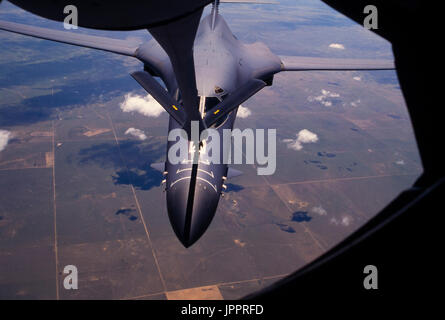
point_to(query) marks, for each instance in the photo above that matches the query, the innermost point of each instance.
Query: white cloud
(4, 139)
(304, 136)
(337, 46)
(325, 94)
(328, 93)
(355, 103)
(136, 133)
(295, 145)
(346, 221)
(319, 210)
(343, 221)
(357, 78)
(147, 105)
(326, 103)
(243, 112)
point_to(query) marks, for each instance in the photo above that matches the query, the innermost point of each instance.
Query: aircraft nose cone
(191, 214)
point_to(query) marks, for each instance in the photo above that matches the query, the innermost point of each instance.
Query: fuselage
(222, 64)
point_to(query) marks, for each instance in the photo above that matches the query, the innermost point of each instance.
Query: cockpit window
(218, 90)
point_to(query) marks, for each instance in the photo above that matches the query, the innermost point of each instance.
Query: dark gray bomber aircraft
(207, 74)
